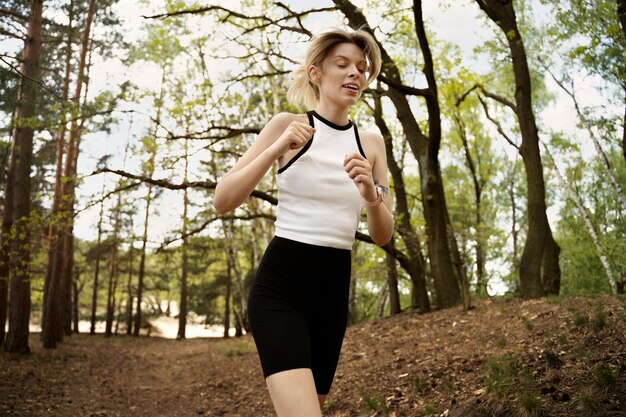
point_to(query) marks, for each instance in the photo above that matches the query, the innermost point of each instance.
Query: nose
(353, 70)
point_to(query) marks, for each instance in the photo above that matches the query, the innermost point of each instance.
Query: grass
(528, 324)
(603, 377)
(552, 360)
(430, 409)
(598, 322)
(419, 385)
(501, 375)
(579, 319)
(505, 376)
(448, 385)
(501, 342)
(236, 347)
(530, 404)
(589, 403)
(374, 402)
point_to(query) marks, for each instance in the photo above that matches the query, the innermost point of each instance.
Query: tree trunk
(392, 284)
(403, 225)
(352, 308)
(5, 239)
(621, 14)
(75, 318)
(481, 278)
(110, 311)
(150, 167)
(129, 290)
(19, 309)
(50, 313)
(584, 213)
(231, 253)
(425, 149)
(94, 296)
(60, 269)
(384, 295)
(540, 250)
(142, 263)
(227, 298)
(514, 231)
(182, 316)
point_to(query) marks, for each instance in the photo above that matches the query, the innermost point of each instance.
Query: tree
(540, 251)
(425, 148)
(59, 269)
(19, 309)
(94, 298)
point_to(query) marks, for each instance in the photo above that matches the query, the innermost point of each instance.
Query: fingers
(299, 134)
(358, 168)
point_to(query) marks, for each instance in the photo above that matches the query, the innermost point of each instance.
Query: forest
(504, 123)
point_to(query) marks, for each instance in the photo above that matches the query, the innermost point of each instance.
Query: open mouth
(351, 86)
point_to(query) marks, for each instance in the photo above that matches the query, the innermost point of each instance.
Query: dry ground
(550, 357)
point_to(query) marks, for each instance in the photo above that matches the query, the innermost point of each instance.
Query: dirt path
(409, 365)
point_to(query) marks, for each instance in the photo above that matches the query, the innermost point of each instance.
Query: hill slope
(549, 357)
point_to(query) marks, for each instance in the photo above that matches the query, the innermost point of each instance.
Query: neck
(333, 112)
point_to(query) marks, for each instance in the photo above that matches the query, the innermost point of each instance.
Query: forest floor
(547, 357)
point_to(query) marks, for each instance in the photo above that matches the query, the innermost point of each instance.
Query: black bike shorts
(298, 308)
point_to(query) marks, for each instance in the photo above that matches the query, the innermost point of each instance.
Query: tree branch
(497, 124)
(405, 89)
(209, 185)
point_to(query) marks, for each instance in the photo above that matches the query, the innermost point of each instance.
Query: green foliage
(501, 375)
(604, 377)
(505, 376)
(598, 322)
(419, 385)
(582, 270)
(373, 402)
(430, 409)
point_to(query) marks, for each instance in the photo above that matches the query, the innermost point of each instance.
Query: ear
(314, 74)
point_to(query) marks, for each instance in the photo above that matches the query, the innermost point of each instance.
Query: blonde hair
(301, 90)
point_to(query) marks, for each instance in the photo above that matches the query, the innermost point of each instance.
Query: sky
(458, 22)
(467, 33)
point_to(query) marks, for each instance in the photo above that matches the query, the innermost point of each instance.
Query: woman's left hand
(360, 171)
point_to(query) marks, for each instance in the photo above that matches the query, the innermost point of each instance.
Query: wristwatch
(380, 195)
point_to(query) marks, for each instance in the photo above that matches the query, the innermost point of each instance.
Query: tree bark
(540, 250)
(621, 15)
(415, 263)
(227, 298)
(94, 296)
(75, 313)
(19, 309)
(5, 239)
(53, 320)
(49, 317)
(392, 284)
(113, 270)
(142, 261)
(425, 149)
(129, 290)
(182, 316)
(231, 253)
(481, 278)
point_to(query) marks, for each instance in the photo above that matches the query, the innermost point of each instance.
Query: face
(341, 76)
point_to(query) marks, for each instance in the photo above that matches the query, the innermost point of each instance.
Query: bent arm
(239, 182)
(379, 218)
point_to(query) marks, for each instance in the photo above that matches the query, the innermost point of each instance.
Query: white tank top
(318, 203)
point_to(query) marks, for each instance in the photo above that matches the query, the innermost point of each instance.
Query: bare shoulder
(373, 144)
(281, 120)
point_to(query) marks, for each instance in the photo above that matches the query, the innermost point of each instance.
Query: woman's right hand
(295, 136)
